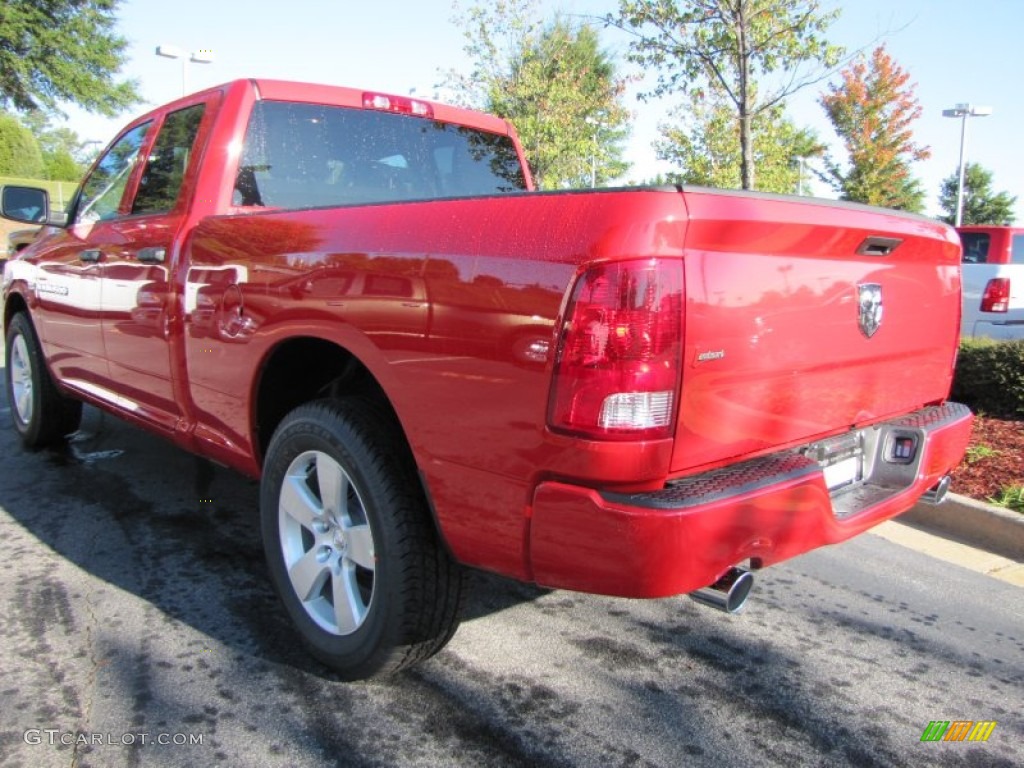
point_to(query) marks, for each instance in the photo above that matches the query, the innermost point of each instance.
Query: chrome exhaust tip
(937, 493)
(729, 593)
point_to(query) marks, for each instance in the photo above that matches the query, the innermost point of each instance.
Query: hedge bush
(990, 377)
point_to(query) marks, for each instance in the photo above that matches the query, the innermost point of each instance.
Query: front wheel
(349, 542)
(41, 414)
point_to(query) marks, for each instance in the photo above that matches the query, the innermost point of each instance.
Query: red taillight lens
(996, 297)
(400, 104)
(617, 368)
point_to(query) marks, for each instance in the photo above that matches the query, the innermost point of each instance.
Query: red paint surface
(446, 303)
(580, 541)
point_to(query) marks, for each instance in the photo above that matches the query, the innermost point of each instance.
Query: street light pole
(593, 166)
(963, 111)
(593, 121)
(202, 56)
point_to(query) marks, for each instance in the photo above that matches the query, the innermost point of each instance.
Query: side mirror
(29, 205)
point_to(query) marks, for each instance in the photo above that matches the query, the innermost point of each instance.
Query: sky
(955, 52)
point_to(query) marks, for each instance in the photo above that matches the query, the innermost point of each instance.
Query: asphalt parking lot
(138, 628)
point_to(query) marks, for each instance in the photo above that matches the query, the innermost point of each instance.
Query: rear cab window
(300, 155)
(975, 247)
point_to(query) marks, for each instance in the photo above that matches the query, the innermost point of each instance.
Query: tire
(40, 413)
(364, 579)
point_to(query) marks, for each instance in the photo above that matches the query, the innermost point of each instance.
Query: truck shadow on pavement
(178, 531)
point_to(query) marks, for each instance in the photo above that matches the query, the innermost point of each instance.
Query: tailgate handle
(90, 256)
(878, 246)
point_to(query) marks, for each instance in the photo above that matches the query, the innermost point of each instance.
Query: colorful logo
(958, 730)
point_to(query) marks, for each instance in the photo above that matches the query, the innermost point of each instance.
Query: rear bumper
(1006, 331)
(770, 509)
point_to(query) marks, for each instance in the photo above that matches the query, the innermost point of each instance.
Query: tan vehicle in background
(17, 241)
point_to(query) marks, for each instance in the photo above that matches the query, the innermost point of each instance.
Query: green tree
(981, 204)
(61, 166)
(703, 143)
(554, 82)
(19, 150)
(754, 52)
(60, 147)
(62, 50)
(872, 109)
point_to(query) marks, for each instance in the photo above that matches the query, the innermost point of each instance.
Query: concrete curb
(981, 525)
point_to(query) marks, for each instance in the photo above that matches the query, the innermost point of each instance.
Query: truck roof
(989, 228)
(335, 95)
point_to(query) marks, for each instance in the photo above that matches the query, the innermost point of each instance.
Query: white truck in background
(993, 282)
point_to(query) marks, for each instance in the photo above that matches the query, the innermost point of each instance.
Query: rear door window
(310, 155)
(168, 160)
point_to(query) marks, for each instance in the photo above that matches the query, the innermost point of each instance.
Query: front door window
(102, 192)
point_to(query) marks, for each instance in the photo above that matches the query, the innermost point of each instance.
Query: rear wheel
(349, 542)
(41, 414)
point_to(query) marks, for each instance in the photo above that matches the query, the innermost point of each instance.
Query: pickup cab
(993, 277)
(359, 299)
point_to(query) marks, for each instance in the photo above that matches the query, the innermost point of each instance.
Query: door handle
(90, 256)
(155, 255)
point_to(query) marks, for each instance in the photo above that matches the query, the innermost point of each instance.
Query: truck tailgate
(804, 319)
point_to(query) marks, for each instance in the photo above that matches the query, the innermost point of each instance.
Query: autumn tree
(52, 51)
(554, 82)
(754, 52)
(702, 142)
(872, 109)
(982, 205)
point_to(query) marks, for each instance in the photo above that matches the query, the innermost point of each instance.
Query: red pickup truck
(359, 299)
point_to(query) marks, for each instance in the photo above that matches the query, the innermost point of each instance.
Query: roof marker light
(400, 104)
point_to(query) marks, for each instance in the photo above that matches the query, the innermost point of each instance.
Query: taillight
(617, 367)
(996, 297)
(400, 104)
